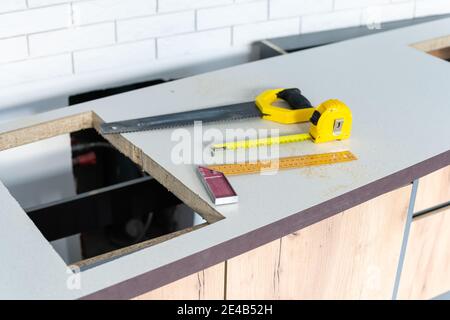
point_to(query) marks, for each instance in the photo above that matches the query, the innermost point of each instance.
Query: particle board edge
(106, 257)
(433, 44)
(45, 130)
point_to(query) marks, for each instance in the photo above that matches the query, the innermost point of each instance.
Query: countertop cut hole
(98, 204)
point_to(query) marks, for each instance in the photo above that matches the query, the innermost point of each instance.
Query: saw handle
(294, 98)
(300, 109)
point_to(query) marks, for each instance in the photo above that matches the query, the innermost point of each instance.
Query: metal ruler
(253, 143)
(284, 163)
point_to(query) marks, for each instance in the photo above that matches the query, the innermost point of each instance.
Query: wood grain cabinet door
(426, 269)
(207, 284)
(352, 255)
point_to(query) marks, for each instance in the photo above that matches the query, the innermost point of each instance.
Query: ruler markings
(284, 163)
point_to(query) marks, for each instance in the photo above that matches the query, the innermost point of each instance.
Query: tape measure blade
(252, 143)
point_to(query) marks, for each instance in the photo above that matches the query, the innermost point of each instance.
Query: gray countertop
(399, 97)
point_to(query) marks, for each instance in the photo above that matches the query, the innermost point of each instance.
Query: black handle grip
(294, 98)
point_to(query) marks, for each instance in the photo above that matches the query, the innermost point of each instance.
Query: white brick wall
(40, 3)
(34, 20)
(248, 33)
(331, 20)
(430, 7)
(195, 42)
(289, 8)
(350, 4)
(12, 5)
(85, 12)
(240, 13)
(114, 56)
(13, 49)
(44, 39)
(35, 70)
(72, 39)
(156, 26)
(177, 5)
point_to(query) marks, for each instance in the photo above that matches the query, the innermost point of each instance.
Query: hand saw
(300, 110)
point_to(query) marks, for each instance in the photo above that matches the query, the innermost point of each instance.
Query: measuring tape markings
(252, 143)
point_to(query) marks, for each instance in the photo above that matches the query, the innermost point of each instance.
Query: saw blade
(216, 114)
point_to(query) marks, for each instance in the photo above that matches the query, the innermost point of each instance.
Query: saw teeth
(175, 125)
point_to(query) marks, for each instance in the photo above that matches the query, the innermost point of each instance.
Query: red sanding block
(217, 185)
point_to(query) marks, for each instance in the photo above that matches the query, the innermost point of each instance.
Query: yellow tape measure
(253, 143)
(284, 163)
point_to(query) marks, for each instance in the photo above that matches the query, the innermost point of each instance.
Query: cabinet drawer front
(433, 190)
